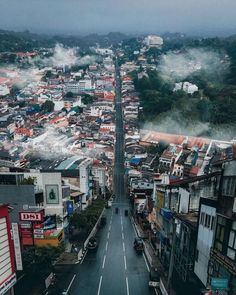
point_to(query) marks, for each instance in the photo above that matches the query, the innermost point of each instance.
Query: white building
(50, 184)
(153, 41)
(85, 181)
(207, 216)
(86, 85)
(4, 90)
(186, 86)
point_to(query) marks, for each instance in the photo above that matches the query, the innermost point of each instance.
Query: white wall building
(84, 175)
(207, 215)
(186, 86)
(153, 41)
(50, 184)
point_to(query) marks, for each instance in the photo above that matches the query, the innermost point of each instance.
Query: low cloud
(175, 123)
(177, 66)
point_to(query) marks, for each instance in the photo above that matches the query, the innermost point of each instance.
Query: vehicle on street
(154, 277)
(138, 245)
(109, 204)
(92, 244)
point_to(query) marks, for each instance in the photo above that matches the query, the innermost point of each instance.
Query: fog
(78, 17)
(174, 122)
(178, 65)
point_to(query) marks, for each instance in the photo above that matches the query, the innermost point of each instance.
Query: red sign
(38, 226)
(31, 216)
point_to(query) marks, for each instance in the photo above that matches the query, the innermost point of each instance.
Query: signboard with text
(17, 247)
(219, 284)
(31, 216)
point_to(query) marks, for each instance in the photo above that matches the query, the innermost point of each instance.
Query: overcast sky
(128, 16)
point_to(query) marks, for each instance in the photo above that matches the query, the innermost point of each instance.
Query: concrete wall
(204, 243)
(17, 196)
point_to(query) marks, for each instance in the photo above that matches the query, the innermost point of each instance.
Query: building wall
(42, 182)
(204, 241)
(17, 196)
(7, 267)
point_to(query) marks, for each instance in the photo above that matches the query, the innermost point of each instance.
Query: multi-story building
(222, 262)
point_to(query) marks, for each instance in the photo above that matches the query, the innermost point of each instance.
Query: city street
(115, 268)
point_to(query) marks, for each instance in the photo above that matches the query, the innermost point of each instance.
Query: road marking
(106, 246)
(156, 291)
(84, 257)
(109, 228)
(122, 229)
(125, 262)
(127, 286)
(122, 236)
(71, 282)
(99, 286)
(123, 246)
(108, 235)
(146, 262)
(104, 259)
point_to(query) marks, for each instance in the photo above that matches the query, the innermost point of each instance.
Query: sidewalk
(153, 259)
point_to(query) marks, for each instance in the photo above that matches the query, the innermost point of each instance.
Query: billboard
(52, 194)
(17, 248)
(26, 234)
(70, 207)
(31, 216)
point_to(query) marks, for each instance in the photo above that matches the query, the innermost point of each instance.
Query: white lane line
(84, 257)
(106, 246)
(108, 235)
(122, 236)
(122, 229)
(109, 228)
(156, 291)
(71, 282)
(104, 259)
(127, 286)
(146, 262)
(125, 262)
(99, 286)
(123, 246)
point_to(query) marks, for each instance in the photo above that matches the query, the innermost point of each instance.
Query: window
(231, 250)
(196, 256)
(202, 218)
(207, 221)
(220, 232)
(212, 222)
(228, 188)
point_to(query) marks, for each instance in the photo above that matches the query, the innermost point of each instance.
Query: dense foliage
(214, 103)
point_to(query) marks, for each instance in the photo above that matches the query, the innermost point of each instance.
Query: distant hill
(11, 41)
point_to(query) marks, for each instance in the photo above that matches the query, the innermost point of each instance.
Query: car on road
(138, 245)
(92, 244)
(154, 277)
(109, 204)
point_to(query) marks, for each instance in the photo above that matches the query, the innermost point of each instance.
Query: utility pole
(172, 255)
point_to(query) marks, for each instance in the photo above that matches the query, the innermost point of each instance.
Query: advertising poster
(52, 194)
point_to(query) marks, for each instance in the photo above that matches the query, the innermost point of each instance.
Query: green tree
(47, 106)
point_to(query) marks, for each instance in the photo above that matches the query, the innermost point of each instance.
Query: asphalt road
(115, 268)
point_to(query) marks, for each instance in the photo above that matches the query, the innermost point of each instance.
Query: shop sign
(39, 236)
(31, 216)
(219, 284)
(38, 231)
(17, 248)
